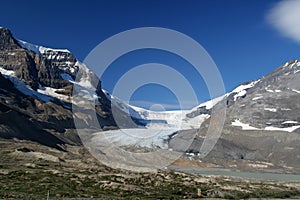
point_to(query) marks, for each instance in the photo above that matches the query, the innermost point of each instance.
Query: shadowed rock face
(28, 117)
(33, 68)
(7, 42)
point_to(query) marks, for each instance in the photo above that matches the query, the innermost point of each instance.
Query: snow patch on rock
(290, 122)
(297, 91)
(52, 92)
(243, 125)
(22, 86)
(256, 98)
(271, 109)
(242, 89)
(287, 129)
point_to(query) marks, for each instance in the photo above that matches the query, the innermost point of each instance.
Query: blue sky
(246, 39)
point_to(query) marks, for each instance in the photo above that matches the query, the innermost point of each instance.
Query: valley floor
(31, 171)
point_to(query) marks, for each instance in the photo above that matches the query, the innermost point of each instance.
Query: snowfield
(141, 137)
(175, 119)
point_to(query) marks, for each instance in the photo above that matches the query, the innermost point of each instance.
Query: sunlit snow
(287, 129)
(243, 125)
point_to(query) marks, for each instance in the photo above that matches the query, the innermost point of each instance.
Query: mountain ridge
(36, 104)
(44, 82)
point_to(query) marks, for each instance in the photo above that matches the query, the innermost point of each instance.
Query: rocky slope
(260, 133)
(35, 93)
(261, 129)
(262, 125)
(75, 174)
(273, 103)
(266, 103)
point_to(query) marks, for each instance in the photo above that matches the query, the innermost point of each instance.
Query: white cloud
(285, 17)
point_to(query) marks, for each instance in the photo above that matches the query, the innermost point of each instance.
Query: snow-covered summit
(39, 49)
(51, 74)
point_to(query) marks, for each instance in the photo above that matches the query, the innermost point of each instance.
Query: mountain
(35, 93)
(261, 127)
(269, 103)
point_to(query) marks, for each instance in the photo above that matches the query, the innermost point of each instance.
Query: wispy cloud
(285, 17)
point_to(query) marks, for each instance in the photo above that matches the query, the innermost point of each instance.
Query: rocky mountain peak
(61, 59)
(36, 84)
(7, 42)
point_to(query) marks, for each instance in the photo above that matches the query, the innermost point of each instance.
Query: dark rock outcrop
(29, 117)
